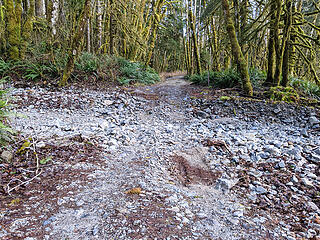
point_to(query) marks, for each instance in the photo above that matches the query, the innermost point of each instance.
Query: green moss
(225, 98)
(285, 94)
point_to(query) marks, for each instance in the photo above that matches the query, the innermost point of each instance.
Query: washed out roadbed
(169, 161)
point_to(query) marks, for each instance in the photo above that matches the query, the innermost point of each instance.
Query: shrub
(134, 72)
(223, 79)
(87, 62)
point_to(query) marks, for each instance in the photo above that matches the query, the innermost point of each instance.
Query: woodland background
(225, 43)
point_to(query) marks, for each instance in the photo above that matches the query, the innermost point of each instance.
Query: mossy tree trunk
(27, 29)
(2, 28)
(195, 41)
(285, 35)
(76, 43)
(39, 8)
(156, 19)
(214, 45)
(287, 44)
(273, 42)
(13, 28)
(236, 50)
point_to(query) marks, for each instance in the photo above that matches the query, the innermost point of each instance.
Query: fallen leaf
(14, 202)
(25, 145)
(134, 191)
(45, 160)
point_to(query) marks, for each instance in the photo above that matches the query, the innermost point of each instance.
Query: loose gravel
(202, 168)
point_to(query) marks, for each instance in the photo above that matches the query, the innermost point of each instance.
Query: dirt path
(154, 179)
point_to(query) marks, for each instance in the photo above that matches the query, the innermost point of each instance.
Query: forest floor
(168, 161)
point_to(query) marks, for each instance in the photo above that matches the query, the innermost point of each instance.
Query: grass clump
(135, 72)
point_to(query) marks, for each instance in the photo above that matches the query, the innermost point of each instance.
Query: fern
(5, 131)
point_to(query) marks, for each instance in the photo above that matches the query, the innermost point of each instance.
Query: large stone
(315, 158)
(7, 156)
(313, 206)
(226, 184)
(272, 150)
(313, 120)
(307, 182)
(261, 190)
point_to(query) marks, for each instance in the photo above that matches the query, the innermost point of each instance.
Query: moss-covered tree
(76, 43)
(236, 50)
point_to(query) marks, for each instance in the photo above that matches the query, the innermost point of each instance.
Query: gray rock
(202, 114)
(95, 230)
(260, 190)
(281, 164)
(312, 175)
(225, 184)
(307, 182)
(272, 150)
(40, 144)
(294, 179)
(49, 221)
(313, 206)
(304, 133)
(317, 151)
(277, 110)
(263, 155)
(313, 120)
(315, 158)
(7, 156)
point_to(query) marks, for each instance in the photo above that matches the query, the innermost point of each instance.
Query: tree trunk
(111, 30)
(273, 43)
(2, 29)
(236, 51)
(278, 50)
(195, 41)
(13, 28)
(27, 29)
(76, 43)
(39, 8)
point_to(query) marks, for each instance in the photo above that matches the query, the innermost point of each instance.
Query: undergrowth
(285, 94)
(6, 132)
(228, 78)
(88, 66)
(135, 72)
(311, 89)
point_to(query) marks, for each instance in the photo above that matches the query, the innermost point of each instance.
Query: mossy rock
(225, 98)
(285, 94)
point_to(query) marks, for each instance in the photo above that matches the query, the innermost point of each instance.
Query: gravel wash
(176, 167)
